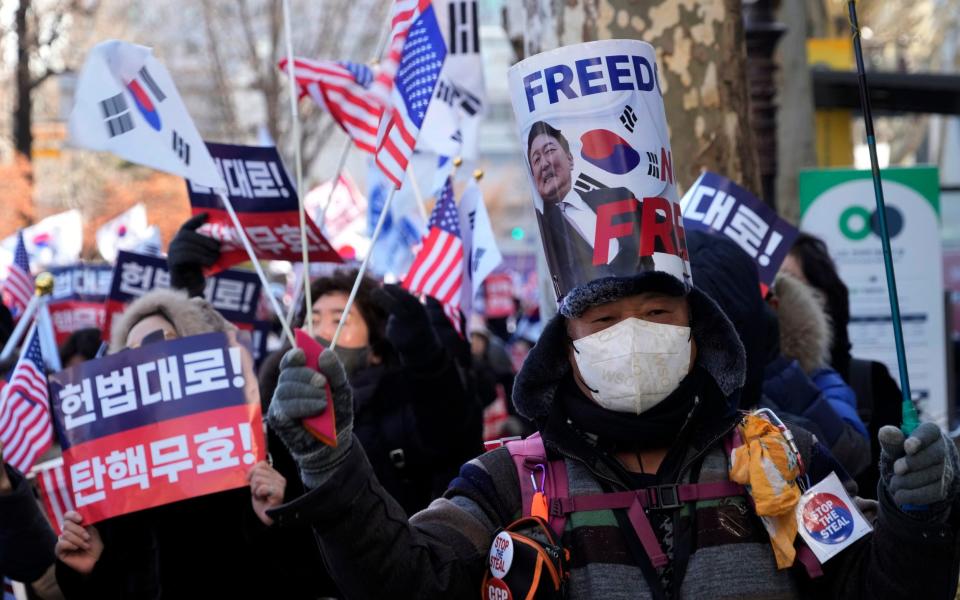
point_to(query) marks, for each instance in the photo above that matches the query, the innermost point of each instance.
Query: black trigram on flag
(464, 29)
(150, 83)
(585, 183)
(653, 167)
(181, 148)
(116, 115)
(451, 94)
(469, 103)
(628, 118)
(477, 255)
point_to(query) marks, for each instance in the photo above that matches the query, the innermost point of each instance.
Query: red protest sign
(162, 423)
(266, 204)
(498, 296)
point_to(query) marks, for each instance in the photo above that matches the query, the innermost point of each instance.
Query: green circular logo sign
(855, 223)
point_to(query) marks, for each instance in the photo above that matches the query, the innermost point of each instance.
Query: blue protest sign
(714, 203)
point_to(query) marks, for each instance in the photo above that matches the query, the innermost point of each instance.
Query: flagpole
(295, 118)
(335, 181)
(25, 319)
(909, 412)
(242, 234)
(363, 268)
(412, 177)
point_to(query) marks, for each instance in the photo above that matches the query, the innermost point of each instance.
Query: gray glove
(921, 471)
(301, 393)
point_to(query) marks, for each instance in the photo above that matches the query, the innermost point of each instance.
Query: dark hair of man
(544, 128)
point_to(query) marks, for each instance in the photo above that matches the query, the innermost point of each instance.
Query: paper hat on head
(597, 151)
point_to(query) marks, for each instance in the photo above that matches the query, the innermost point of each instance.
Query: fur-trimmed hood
(719, 352)
(189, 316)
(805, 333)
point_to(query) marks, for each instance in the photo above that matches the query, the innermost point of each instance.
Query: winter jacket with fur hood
(730, 276)
(212, 546)
(376, 551)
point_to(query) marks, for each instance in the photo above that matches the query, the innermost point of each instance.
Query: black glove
(301, 393)
(408, 327)
(920, 472)
(453, 342)
(189, 252)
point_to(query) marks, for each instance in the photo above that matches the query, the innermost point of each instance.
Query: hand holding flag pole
(909, 411)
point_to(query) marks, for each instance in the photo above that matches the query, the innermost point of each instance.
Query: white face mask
(634, 365)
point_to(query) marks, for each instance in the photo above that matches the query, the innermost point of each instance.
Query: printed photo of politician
(568, 217)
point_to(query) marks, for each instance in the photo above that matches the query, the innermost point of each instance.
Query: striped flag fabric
(402, 16)
(26, 429)
(342, 89)
(437, 270)
(54, 487)
(418, 67)
(18, 287)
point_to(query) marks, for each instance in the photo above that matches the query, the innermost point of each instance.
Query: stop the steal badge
(828, 520)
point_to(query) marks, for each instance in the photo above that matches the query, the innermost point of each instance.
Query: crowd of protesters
(408, 502)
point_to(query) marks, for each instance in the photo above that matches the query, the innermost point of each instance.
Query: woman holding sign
(178, 548)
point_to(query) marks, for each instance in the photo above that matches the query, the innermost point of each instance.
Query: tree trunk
(795, 123)
(22, 121)
(702, 61)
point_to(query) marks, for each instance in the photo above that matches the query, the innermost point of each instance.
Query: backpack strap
(537, 474)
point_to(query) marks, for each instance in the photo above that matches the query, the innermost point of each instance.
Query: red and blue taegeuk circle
(608, 151)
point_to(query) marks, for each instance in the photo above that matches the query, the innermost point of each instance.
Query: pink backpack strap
(535, 473)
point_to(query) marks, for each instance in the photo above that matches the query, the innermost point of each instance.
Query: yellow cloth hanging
(767, 466)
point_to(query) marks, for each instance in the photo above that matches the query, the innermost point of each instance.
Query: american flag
(418, 69)
(18, 287)
(343, 90)
(401, 18)
(437, 269)
(25, 426)
(55, 494)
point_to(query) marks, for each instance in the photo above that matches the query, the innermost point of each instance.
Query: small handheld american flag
(26, 429)
(437, 270)
(18, 287)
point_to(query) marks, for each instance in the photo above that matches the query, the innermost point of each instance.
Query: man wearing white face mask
(632, 387)
(643, 480)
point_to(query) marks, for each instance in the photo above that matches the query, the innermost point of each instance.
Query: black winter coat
(26, 540)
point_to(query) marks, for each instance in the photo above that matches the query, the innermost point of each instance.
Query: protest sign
(714, 203)
(838, 206)
(597, 150)
(266, 202)
(498, 299)
(77, 300)
(165, 422)
(234, 293)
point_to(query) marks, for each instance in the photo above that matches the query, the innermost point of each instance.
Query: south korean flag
(126, 103)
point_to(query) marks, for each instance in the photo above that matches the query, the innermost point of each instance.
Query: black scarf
(658, 427)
